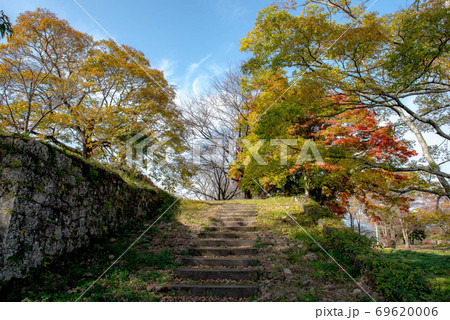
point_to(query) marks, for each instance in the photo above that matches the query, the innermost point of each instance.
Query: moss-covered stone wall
(52, 203)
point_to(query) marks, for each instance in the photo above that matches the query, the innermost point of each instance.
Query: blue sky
(191, 40)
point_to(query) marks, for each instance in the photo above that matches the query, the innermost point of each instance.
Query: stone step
(232, 224)
(248, 251)
(234, 216)
(236, 210)
(233, 219)
(227, 262)
(225, 242)
(239, 206)
(227, 235)
(215, 290)
(206, 274)
(230, 228)
(238, 213)
(228, 221)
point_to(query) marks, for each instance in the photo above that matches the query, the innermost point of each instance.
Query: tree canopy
(344, 78)
(90, 97)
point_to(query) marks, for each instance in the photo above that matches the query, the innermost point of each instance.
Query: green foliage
(5, 25)
(326, 270)
(398, 281)
(347, 241)
(93, 174)
(395, 280)
(424, 37)
(434, 264)
(168, 206)
(161, 260)
(7, 148)
(15, 164)
(258, 244)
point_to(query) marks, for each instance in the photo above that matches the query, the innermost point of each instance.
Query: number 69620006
(406, 311)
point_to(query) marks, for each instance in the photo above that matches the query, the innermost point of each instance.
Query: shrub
(395, 280)
(398, 281)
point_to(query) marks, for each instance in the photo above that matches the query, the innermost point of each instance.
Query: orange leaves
(353, 132)
(360, 131)
(315, 166)
(294, 169)
(329, 167)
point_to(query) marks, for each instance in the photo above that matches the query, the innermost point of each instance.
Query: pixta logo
(304, 156)
(144, 146)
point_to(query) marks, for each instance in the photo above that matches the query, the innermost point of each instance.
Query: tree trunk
(405, 235)
(425, 148)
(377, 233)
(393, 237)
(406, 238)
(306, 186)
(87, 150)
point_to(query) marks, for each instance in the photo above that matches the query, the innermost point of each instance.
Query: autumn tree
(376, 61)
(286, 129)
(87, 96)
(124, 94)
(433, 216)
(39, 70)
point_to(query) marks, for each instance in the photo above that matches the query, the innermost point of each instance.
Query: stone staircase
(224, 262)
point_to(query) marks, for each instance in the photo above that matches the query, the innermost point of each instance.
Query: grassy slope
(287, 273)
(328, 278)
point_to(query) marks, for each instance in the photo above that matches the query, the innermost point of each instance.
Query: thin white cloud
(186, 88)
(193, 66)
(197, 78)
(167, 66)
(200, 83)
(216, 69)
(229, 11)
(196, 86)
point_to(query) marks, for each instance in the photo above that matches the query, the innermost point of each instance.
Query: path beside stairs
(224, 261)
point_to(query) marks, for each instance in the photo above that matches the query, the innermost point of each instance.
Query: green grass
(258, 244)
(434, 263)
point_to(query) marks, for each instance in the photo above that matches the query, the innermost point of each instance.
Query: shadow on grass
(135, 277)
